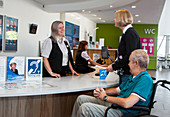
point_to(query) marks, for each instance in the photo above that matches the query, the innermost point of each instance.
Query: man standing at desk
(136, 90)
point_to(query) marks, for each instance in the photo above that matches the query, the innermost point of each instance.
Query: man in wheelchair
(136, 90)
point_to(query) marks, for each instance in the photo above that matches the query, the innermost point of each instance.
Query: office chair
(144, 110)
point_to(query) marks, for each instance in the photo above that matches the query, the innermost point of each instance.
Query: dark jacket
(130, 41)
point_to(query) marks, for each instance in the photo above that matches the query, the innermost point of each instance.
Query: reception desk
(112, 53)
(51, 97)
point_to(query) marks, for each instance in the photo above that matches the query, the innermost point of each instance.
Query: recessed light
(78, 18)
(99, 18)
(137, 15)
(133, 7)
(94, 15)
(139, 21)
(103, 20)
(83, 10)
(89, 11)
(111, 6)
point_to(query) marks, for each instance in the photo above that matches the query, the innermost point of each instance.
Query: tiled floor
(162, 106)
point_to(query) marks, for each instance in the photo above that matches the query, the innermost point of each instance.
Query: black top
(16, 71)
(55, 59)
(80, 60)
(130, 41)
(81, 65)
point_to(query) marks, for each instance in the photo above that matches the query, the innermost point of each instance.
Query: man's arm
(113, 91)
(124, 102)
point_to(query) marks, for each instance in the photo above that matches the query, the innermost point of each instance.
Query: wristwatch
(105, 98)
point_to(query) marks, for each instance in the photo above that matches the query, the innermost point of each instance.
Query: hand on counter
(104, 65)
(56, 75)
(75, 73)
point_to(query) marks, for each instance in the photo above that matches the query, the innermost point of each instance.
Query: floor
(162, 106)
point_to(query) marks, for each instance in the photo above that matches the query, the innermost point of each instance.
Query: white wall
(27, 12)
(86, 25)
(164, 29)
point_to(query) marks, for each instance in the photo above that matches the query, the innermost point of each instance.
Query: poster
(1, 31)
(72, 34)
(15, 68)
(96, 56)
(2, 68)
(34, 68)
(148, 45)
(11, 34)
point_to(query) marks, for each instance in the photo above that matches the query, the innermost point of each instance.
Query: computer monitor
(105, 52)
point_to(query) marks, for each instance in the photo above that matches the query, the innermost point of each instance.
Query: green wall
(111, 35)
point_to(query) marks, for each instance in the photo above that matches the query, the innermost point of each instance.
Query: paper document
(99, 67)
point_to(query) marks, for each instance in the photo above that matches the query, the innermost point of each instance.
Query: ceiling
(102, 11)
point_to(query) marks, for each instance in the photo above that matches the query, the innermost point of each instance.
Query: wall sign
(72, 34)
(148, 45)
(149, 31)
(11, 34)
(1, 31)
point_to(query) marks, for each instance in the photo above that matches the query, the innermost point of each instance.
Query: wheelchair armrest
(135, 107)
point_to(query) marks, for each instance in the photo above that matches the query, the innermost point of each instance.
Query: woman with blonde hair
(130, 41)
(56, 53)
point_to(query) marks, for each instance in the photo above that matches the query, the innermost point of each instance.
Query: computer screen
(105, 52)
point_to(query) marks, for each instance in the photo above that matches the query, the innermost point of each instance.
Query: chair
(145, 110)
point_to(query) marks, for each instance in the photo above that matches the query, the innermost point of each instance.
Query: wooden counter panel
(56, 105)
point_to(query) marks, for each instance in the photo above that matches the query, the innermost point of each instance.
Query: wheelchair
(144, 110)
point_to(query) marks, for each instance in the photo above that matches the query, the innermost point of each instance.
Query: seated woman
(82, 59)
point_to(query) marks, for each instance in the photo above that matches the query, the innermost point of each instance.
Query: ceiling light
(139, 21)
(78, 18)
(89, 11)
(103, 20)
(133, 7)
(94, 15)
(83, 10)
(111, 6)
(99, 18)
(137, 15)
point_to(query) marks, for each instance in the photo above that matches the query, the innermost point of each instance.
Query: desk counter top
(67, 84)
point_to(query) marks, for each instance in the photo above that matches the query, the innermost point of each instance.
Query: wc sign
(149, 31)
(148, 45)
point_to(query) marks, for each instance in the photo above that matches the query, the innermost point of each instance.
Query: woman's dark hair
(81, 46)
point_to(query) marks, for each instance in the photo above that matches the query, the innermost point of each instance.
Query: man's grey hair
(141, 56)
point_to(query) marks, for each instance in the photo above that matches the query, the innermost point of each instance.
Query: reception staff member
(56, 53)
(82, 59)
(130, 41)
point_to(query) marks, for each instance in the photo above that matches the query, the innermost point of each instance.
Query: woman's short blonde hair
(123, 18)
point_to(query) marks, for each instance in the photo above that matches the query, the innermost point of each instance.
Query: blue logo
(34, 66)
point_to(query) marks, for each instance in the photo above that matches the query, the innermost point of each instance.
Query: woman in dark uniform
(56, 53)
(82, 59)
(130, 41)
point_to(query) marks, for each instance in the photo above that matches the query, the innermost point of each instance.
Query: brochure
(2, 68)
(15, 68)
(34, 68)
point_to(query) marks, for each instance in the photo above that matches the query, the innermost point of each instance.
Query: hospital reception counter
(52, 97)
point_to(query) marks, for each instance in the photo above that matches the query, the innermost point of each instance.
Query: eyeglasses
(61, 27)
